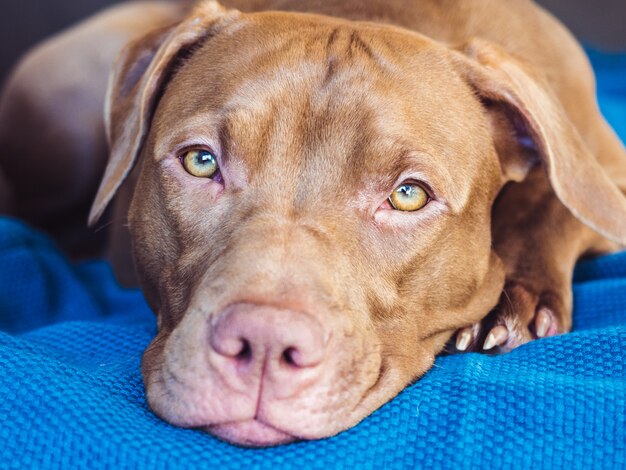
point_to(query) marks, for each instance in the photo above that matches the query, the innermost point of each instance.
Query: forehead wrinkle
(275, 92)
(358, 44)
(345, 47)
(421, 164)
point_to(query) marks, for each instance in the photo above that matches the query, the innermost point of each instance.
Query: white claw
(543, 321)
(496, 337)
(463, 339)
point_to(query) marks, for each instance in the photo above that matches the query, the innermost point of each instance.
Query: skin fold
(292, 298)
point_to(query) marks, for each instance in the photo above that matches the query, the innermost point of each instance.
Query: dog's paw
(520, 316)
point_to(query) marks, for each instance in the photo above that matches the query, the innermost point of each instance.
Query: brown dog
(322, 200)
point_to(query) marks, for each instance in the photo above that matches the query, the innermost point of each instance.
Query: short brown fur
(317, 111)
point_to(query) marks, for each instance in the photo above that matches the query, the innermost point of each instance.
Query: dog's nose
(280, 344)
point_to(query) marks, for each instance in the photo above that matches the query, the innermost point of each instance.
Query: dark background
(599, 23)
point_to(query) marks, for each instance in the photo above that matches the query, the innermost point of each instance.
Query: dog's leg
(539, 241)
(565, 170)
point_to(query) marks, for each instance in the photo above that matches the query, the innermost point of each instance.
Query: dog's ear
(139, 75)
(531, 126)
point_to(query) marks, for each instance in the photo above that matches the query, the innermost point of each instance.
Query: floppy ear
(139, 75)
(533, 125)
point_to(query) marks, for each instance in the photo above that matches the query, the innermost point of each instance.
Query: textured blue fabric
(71, 394)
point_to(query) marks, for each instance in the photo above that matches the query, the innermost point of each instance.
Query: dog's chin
(250, 433)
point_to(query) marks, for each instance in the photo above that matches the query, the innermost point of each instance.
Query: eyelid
(181, 150)
(189, 137)
(418, 180)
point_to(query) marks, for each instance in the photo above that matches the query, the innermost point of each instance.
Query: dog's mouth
(250, 433)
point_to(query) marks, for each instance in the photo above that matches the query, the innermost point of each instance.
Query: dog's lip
(251, 433)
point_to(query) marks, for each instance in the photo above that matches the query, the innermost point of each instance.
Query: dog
(320, 196)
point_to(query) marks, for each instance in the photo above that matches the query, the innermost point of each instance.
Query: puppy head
(311, 221)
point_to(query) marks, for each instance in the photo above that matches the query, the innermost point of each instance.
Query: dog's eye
(200, 163)
(409, 197)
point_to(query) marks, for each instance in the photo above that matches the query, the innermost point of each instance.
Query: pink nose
(283, 343)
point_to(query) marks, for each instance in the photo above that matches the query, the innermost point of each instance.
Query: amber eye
(408, 197)
(200, 163)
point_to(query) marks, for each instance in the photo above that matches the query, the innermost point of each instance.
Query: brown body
(292, 298)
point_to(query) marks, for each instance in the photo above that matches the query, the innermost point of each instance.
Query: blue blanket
(71, 394)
